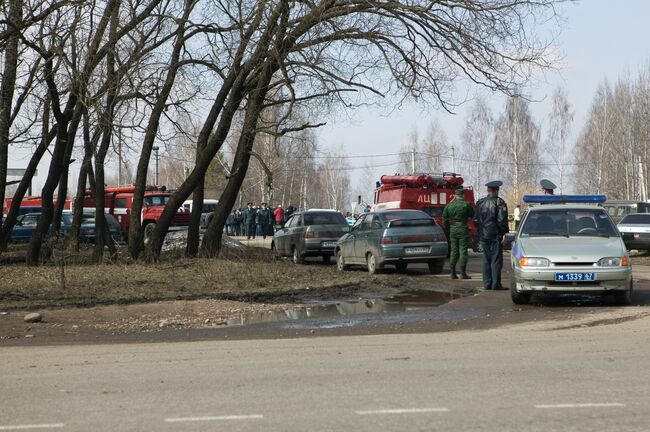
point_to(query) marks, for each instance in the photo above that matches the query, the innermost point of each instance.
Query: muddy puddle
(399, 303)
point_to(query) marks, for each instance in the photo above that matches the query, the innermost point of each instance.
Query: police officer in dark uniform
(455, 216)
(491, 218)
(547, 187)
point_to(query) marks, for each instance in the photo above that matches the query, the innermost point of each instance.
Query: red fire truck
(119, 200)
(427, 192)
(31, 204)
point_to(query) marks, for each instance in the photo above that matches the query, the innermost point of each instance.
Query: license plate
(575, 277)
(328, 244)
(416, 250)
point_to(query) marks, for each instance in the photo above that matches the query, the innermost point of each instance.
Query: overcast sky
(601, 39)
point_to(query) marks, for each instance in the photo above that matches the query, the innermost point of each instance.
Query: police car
(569, 244)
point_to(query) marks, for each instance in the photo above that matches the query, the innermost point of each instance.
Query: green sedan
(393, 237)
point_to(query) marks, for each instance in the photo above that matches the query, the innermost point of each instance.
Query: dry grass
(70, 279)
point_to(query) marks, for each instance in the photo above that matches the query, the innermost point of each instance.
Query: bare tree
(476, 138)
(516, 148)
(560, 120)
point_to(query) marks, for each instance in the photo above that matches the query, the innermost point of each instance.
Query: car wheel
(435, 265)
(340, 262)
(148, 232)
(297, 257)
(519, 298)
(623, 298)
(401, 267)
(371, 262)
(327, 259)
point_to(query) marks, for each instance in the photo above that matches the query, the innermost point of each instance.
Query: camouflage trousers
(459, 242)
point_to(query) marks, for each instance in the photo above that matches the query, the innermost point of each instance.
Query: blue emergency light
(564, 199)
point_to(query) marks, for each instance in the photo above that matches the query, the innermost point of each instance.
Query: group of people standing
(491, 219)
(253, 221)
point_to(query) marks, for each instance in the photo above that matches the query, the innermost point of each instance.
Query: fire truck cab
(119, 200)
(427, 192)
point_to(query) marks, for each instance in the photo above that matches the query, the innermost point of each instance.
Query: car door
(295, 233)
(375, 232)
(281, 237)
(24, 227)
(361, 238)
(347, 243)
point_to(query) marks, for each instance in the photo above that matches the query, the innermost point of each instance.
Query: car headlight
(534, 262)
(614, 262)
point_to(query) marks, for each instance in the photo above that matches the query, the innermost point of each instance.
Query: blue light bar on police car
(564, 199)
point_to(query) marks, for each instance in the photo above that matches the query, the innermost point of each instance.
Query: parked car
(569, 245)
(207, 210)
(26, 224)
(636, 229)
(87, 231)
(393, 237)
(309, 233)
(617, 209)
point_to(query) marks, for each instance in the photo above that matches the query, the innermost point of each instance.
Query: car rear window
(636, 219)
(404, 215)
(325, 218)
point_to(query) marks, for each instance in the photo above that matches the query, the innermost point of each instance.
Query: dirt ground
(76, 298)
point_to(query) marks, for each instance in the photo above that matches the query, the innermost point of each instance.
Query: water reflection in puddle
(403, 302)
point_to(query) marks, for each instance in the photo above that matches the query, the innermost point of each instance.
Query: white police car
(569, 244)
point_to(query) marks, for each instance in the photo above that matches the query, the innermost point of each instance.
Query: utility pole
(155, 149)
(453, 159)
(413, 160)
(119, 162)
(642, 181)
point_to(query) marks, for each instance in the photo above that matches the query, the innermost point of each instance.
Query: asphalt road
(537, 376)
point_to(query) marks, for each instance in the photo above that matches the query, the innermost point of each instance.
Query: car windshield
(208, 208)
(637, 219)
(567, 223)
(66, 219)
(324, 218)
(156, 200)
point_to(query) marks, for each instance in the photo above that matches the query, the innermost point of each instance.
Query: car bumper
(317, 247)
(399, 253)
(615, 279)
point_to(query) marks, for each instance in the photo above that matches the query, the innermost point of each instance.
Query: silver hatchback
(393, 237)
(569, 248)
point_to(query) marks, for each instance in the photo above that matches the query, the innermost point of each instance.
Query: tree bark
(211, 246)
(135, 226)
(7, 91)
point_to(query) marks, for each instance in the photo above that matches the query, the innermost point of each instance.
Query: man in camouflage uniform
(455, 217)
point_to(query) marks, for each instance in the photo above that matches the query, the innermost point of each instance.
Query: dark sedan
(393, 237)
(310, 233)
(87, 231)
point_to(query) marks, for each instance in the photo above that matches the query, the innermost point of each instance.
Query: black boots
(453, 273)
(463, 273)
